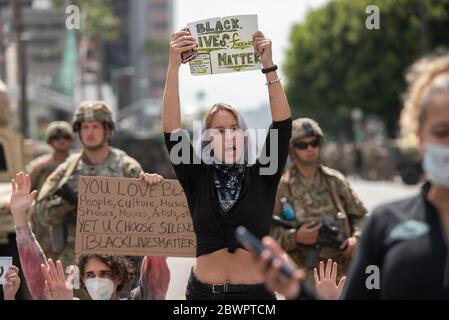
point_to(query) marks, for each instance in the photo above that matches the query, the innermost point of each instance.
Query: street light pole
(22, 65)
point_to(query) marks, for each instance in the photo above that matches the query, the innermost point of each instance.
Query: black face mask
(228, 180)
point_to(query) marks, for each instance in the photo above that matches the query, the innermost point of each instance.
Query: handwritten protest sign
(129, 217)
(5, 264)
(224, 45)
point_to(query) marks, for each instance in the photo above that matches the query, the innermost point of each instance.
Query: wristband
(270, 69)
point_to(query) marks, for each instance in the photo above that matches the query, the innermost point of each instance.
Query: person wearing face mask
(409, 240)
(56, 203)
(404, 248)
(103, 276)
(225, 185)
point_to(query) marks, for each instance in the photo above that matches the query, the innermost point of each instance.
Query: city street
(372, 193)
(125, 114)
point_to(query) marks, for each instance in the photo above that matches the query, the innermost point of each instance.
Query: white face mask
(100, 288)
(436, 164)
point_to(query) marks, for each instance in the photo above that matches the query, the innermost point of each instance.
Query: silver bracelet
(273, 81)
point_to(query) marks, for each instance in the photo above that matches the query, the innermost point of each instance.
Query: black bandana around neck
(228, 179)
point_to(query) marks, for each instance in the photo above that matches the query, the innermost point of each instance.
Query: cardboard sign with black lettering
(121, 216)
(225, 44)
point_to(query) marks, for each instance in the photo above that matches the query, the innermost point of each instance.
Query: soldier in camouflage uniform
(315, 192)
(56, 203)
(59, 135)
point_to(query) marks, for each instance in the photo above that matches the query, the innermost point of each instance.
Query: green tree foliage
(158, 49)
(99, 24)
(97, 18)
(336, 64)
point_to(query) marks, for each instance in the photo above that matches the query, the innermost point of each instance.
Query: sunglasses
(61, 136)
(302, 145)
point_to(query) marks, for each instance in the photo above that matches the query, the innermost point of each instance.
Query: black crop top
(254, 207)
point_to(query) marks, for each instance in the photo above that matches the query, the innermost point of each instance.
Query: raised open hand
(21, 198)
(326, 283)
(55, 283)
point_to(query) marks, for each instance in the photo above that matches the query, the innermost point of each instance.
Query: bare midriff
(221, 267)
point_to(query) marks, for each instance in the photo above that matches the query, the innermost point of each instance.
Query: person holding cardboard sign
(154, 273)
(57, 200)
(225, 184)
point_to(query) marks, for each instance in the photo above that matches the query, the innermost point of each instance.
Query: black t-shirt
(254, 207)
(406, 240)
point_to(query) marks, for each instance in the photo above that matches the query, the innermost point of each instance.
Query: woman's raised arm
(171, 113)
(280, 109)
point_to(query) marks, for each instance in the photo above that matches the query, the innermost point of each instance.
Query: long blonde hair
(426, 77)
(217, 108)
(250, 154)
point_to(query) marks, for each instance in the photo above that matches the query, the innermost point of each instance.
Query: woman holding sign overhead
(225, 184)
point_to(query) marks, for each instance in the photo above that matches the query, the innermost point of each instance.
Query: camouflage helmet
(57, 128)
(92, 111)
(305, 127)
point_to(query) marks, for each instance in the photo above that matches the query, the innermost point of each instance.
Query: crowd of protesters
(316, 221)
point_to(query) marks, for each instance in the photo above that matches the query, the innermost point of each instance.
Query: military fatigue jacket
(54, 211)
(312, 201)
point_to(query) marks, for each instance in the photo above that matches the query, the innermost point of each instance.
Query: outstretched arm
(154, 271)
(171, 113)
(280, 109)
(154, 280)
(30, 253)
